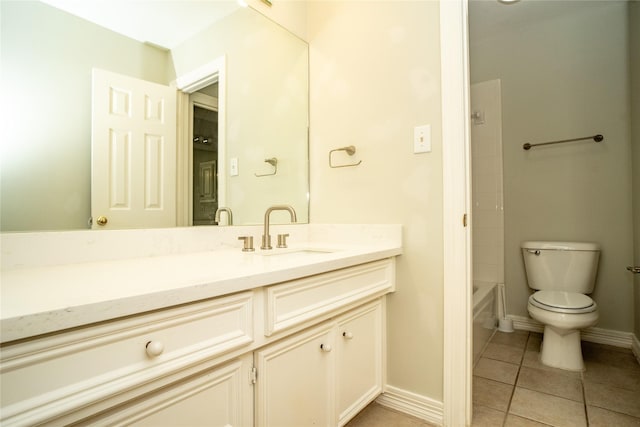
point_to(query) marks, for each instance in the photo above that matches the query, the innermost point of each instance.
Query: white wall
(564, 77)
(47, 56)
(375, 74)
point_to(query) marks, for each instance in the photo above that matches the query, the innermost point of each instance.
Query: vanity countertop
(49, 298)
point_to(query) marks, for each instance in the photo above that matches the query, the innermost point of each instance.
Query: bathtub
(484, 315)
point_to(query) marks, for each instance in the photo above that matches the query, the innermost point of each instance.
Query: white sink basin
(294, 252)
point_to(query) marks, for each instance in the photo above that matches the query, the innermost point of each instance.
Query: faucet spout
(266, 237)
(229, 215)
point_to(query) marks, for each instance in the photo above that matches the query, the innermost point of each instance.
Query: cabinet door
(218, 397)
(358, 360)
(295, 381)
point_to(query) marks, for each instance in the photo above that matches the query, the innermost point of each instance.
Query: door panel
(133, 160)
(295, 383)
(358, 360)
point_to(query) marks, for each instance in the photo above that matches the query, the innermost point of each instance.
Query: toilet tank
(561, 266)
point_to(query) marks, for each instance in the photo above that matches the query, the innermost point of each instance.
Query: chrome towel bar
(273, 162)
(350, 150)
(596, 138)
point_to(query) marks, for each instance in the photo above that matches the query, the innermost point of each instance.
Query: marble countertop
(49, 298)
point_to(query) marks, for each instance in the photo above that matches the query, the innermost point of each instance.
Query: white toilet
(562, 273)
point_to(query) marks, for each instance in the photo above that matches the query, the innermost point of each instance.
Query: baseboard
(414, 404)
(635, 348)
(597, 335)
(526, 324)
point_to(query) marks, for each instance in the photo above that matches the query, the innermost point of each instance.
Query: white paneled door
(133, 152)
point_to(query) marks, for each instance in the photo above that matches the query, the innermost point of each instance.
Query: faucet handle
(282, 240)
(248, 243)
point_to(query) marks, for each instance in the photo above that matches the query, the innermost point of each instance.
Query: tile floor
(376, 415)
(512, 388)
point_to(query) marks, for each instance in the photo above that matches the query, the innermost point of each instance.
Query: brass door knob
(102, 220)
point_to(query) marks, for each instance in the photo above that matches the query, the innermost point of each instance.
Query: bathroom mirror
(47, 59)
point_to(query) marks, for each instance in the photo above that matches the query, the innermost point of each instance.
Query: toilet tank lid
(561, 246)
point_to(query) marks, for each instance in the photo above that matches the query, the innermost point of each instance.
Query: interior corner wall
(565, 77)
(291, 15)
(375, 74)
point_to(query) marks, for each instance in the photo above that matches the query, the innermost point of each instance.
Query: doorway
(203, 120)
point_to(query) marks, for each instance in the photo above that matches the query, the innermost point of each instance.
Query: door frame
(454, 59)
(205, 75)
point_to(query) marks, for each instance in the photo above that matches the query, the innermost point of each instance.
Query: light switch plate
(233, 166)
(422, 139)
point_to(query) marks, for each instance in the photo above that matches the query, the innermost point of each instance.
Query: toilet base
(561, 349)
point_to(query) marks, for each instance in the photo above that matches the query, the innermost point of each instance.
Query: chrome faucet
(229, 215)
(266, 237)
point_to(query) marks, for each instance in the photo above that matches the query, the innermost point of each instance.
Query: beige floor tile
(514, 339)
(613, 398)
(503, 352)
(516, 421)
(487, 417)
(492, 394)
(553, 382)
(599, 417)
(622, 358)
(496, 370)
(531, 359)
(376, 415)
(547, 409)
(602, 353)
(535, 339)
(612, 375)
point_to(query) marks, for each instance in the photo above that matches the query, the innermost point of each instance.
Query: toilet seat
(563, 302)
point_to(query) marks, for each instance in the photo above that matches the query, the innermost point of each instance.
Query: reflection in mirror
(47, 59)
(204, 110)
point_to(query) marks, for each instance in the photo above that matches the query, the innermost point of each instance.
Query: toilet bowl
(561, 343)
(562, 273)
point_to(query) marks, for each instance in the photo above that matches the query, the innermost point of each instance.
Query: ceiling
(164, 23)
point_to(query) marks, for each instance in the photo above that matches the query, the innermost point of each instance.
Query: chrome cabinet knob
(634, 270)
(154, 348)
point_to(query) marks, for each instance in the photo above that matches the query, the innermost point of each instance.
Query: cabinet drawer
(291, 303)
(52, 375)
(220, 396)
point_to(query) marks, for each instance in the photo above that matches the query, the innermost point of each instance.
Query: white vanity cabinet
(322, 376)
(62, 378)
(216, 397)
(294, 380)
(359, 353)
(300, 352)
